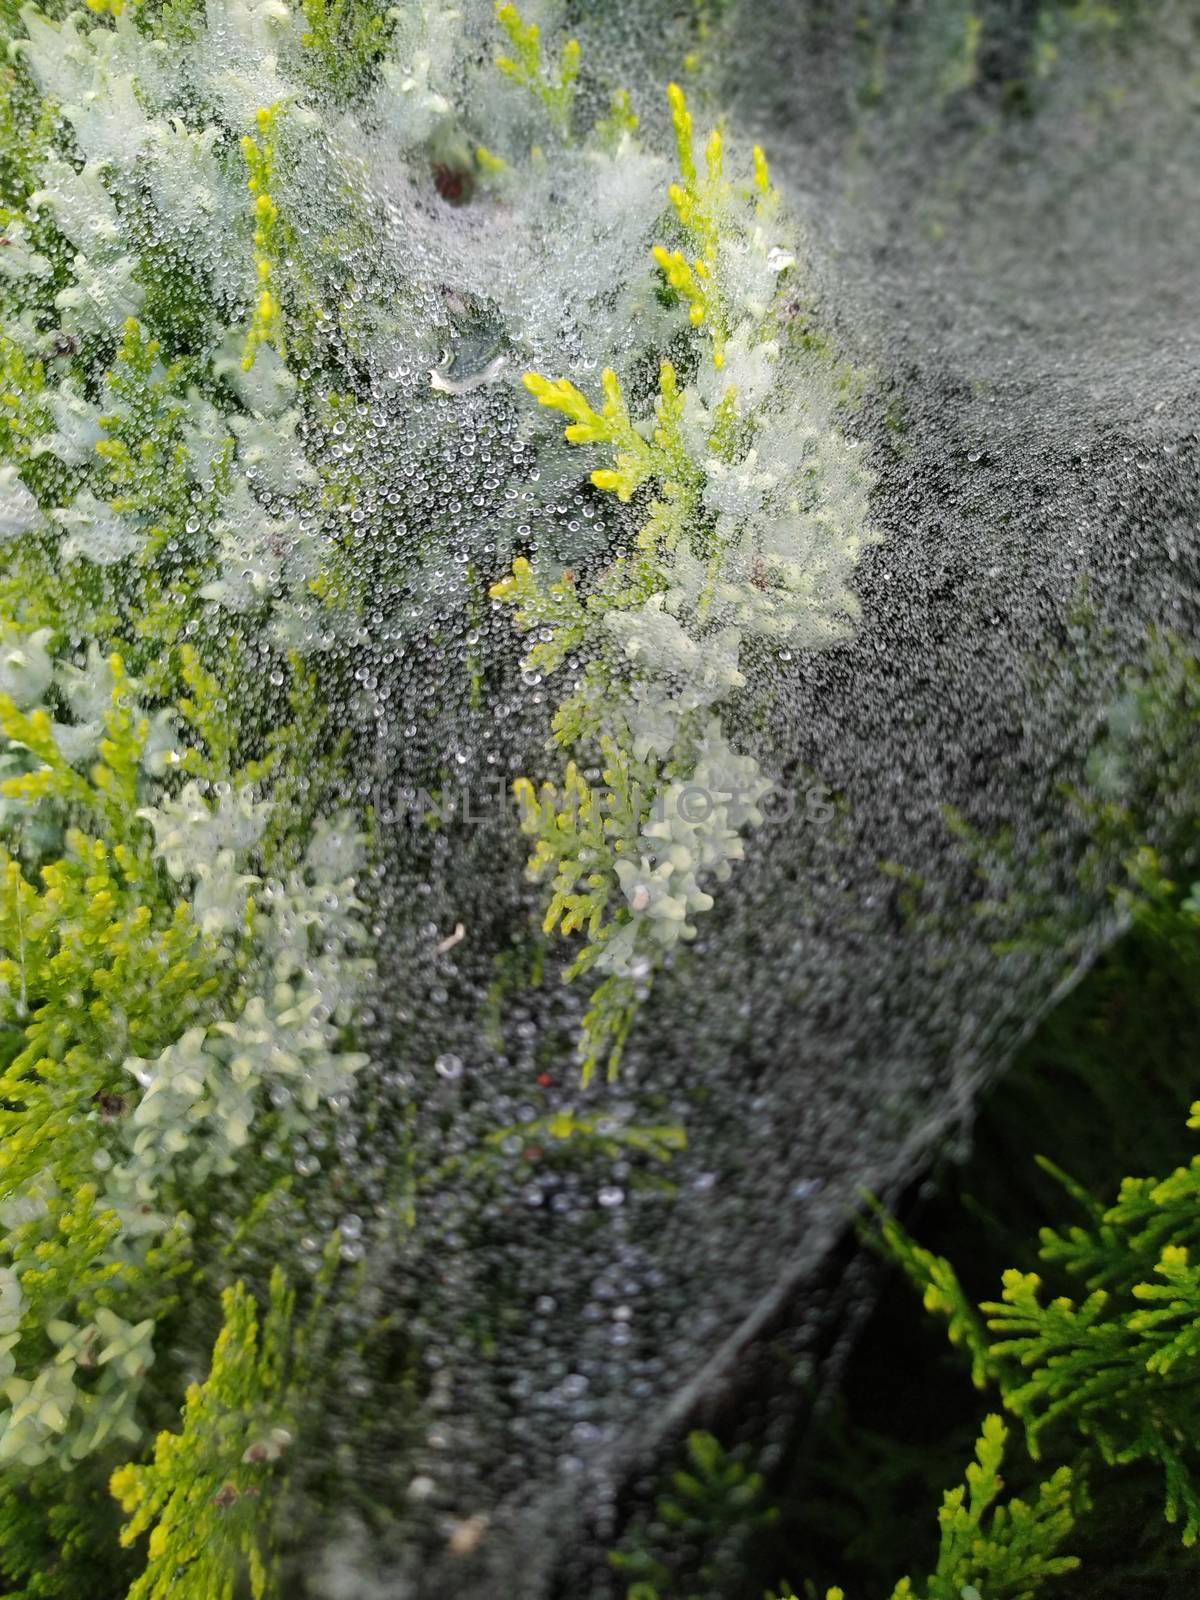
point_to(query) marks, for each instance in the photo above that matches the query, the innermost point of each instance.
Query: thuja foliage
(989, 1545)
(205, 1497)
(1096, 1354)
(208, 323)
(199, 1494)
(744, 538)
(1094, 1357)
(554, 87)
(1133, 805)
(176, 989)
(1005, 1549)
(136, 1076)
(1110, 1368)
(710, 1508)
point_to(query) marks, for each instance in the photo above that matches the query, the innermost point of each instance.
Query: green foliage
(177, 906)
(607, 1023)
(713, 1505)
(1108, 1376)
(26, 126)
(23, 414)
(206, 1497)
(1105, 1080)
(553, 87)
(189, 438)
(940, 1290)
(621, 124)
(97, 963)
(581, 832)
(1112, 1375)
(1006, 1550)
(598, 1135)
(266, 327)
(604, 855)
(1135, 810)
(345, 39)
(662, 458)
(58, 1532)
(637, 460)
(103, 966)
(718, 1491)
(702, 203)
(150, 471)
(654, 636)
(1002, 1549)
(553, 609)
